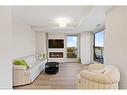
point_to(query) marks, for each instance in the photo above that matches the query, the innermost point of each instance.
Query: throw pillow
(22, 63)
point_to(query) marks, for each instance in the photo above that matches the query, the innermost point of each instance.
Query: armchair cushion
(100, 71)
(96, 66)
(93, 76)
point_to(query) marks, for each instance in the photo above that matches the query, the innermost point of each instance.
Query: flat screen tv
(56, 43)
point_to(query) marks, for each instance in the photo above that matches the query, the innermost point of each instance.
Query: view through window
(99, 47)
(72, 46)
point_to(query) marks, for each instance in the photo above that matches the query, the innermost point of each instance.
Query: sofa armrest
(96, 77)
(18, 67)
(21, 76)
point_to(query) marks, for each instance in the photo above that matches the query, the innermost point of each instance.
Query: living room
(32, 31)
(40, 43)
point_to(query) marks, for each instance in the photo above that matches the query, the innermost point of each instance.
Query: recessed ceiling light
(62, 21)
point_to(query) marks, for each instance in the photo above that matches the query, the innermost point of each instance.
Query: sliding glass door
(71, 47)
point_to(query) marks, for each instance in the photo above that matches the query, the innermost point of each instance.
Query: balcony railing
(99, 54)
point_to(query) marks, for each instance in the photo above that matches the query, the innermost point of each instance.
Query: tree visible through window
(99, 47)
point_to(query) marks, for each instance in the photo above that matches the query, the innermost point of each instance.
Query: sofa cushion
(34, 64)
(30, 60)
(21, 63)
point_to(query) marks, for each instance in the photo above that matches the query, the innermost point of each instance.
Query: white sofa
(22, 76)
(98, 76)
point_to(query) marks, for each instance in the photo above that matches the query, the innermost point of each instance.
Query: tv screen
(56, 43)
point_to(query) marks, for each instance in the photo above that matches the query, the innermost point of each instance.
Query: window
(99, 47)
(72, 46)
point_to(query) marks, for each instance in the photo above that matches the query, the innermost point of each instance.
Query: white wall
(5, 47)
(23, 39)
(116, 41)
(41, 42)
(86, 47)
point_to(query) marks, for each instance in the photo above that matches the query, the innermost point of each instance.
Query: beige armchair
(100, 77)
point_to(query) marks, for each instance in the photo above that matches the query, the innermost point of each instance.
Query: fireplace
(56, 54)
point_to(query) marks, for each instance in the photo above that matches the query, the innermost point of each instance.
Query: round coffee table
(51, 67)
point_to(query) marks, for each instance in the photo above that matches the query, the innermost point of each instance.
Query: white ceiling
(83, 18)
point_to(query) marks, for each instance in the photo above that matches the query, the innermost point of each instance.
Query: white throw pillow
(30, 60)
(30, 65)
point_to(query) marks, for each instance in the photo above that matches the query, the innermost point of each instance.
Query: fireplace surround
(55, 54)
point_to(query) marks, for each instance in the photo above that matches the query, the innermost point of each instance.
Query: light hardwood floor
(64, 79)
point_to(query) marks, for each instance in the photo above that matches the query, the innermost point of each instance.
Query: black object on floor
(51, 67)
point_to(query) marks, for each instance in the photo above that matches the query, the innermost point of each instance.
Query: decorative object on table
(51, 67)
